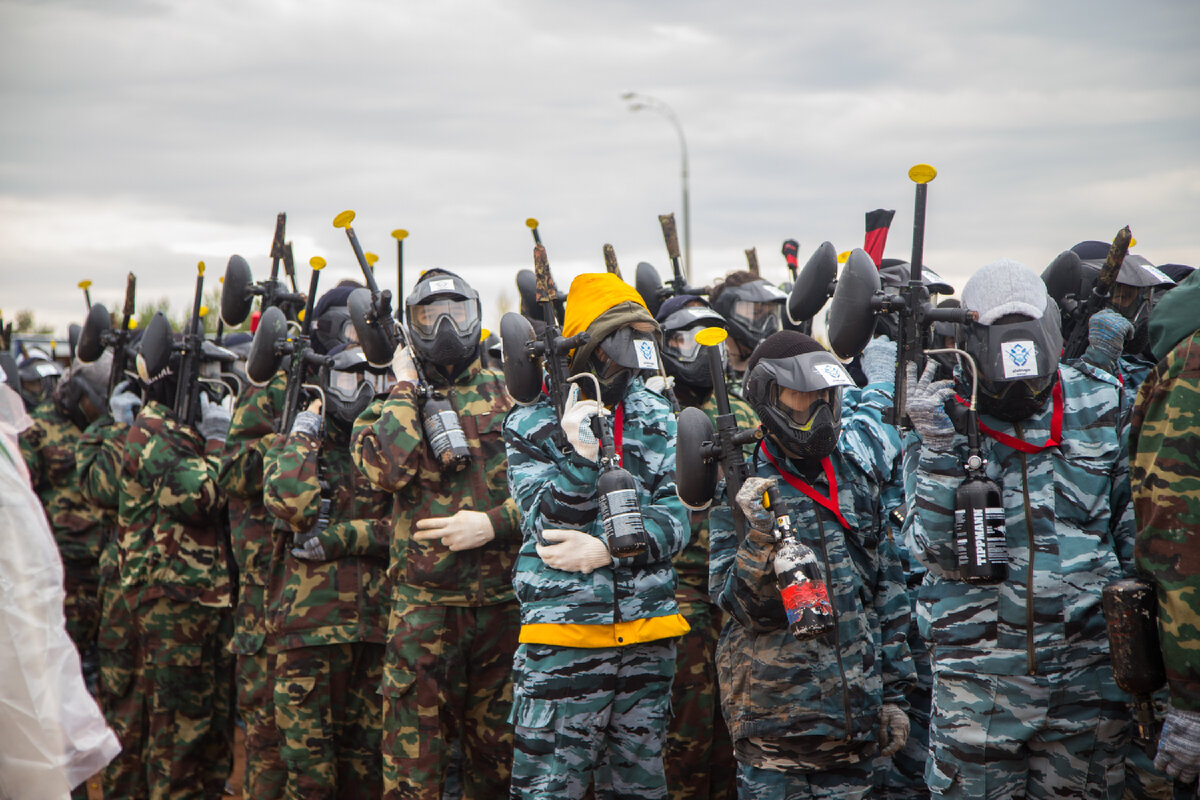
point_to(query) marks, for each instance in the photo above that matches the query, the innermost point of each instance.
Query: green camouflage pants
(81, 606)
(593, 716)
(327, 715)
(187, 685)
(853, 782)
(698, 755)
(447, 676)
(119, 695)
(265, 775)
(1039, 737)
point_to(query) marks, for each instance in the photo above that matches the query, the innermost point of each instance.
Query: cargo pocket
(940, 774)
(183, 683)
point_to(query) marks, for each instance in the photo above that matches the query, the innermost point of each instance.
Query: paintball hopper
(237, 292)
(852, 310)
(91, 337)
(522, 369)
(649, 285)
(265, 358)
(369, 329)
(814, 284)
(154, 350)
(695, 458)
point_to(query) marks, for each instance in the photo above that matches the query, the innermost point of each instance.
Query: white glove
(465, 530)
(403, 366)
(660, 385)
(577, 424)
(214, 419)
(124, 404)
(573, 551)
(893, 729)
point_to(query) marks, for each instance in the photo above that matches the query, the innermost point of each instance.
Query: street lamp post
(638, 102)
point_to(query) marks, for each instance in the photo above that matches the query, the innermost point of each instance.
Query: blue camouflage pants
(1057, 735)
(593, 716)
(853, 782)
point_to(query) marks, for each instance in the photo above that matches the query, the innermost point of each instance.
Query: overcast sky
(147, 135)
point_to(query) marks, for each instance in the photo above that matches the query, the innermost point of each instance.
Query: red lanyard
(1028, 447)
(829, 503)
(618, 427)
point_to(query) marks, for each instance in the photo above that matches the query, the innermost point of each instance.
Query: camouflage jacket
(691, 565)
(1165, 474)
(774, 686)
(48, 447)
(342, 599)
(1069, 532)
(98, 458)
(171, 526)
(251, 433)
(389, 447)
(557, 490)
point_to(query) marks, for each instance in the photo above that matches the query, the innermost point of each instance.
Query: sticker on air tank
(1019, 359)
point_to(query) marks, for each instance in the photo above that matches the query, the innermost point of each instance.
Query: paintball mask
(683, 357)
(804, 432)
(620, 356)
(752, 311)
(443, 314)
(354, 383)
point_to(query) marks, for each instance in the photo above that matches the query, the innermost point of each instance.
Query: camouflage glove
(309, 549)
(573, 551)
(893, 729)
(124, 404)
(307, 422)
(660, 385)
(1179, 745)
(465, 530)
(214, 419)
(577, 424)
(926, 406)
(750, 500)
(1107, 332)
(403, 366)
(879, 360)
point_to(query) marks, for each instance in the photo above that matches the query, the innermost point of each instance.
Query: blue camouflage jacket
(831, 687)
(1069, 532)
(557, 490)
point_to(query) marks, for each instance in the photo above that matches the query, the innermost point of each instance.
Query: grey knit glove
(879, 360)
(750, 500)
(1107, 332)
(307, 422)
(124, 403)
(893, 729)
(1179, 745)
(214, 419)
(926, 406)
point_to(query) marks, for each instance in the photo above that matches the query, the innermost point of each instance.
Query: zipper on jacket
(837, 634)
(1030, 658)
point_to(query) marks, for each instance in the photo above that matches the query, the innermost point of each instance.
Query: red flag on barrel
(878, 222)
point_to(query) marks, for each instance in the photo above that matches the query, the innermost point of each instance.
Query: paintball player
(808, 716)
(452, 632)
(1024, 701)
(174, 571)
(1163, 472)
(698, 753)
(592, 675)
(752, 309)
(327, 603)
(48, 447)
(39, 374)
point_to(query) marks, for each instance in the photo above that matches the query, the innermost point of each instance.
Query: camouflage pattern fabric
(327, 712)
(851, 782)
(827, 691)
(48, 447)
(1142, 780)
(98, 461)
(447, 677)
(1165, 476)
(187, 683)
(1070, 532)
(698, 753)
(591, 716)
(251, 433)
(1036, 736)
(389, 447)
(557, 490)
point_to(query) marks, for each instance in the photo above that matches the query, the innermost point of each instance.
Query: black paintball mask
(38, 376)
(620, 357)
(683, 357)
(804, 434)
(81, 395)
(444, 317)
(752, 311)
(1017, 357)
(354, 383)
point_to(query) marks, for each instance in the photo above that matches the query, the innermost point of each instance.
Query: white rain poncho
(52, 734)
